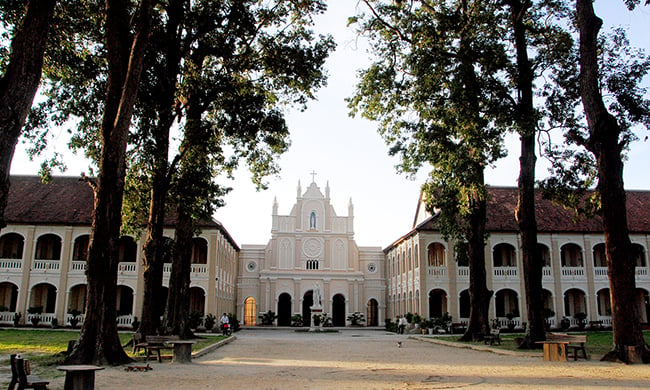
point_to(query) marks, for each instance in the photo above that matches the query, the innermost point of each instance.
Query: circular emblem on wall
(251, 266)
(372, 267)
(312, 247)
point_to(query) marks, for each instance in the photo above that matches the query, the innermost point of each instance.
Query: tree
(98, 341)
(241, 62)
(436, 91)
(530, 27)
(606, 138)
(21, 78)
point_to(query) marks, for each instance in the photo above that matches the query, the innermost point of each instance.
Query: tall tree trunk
(20, 83)
(177, 313)
(479, 294)
(155, 246)
(604, 131)
(98, 340)
(525, 212)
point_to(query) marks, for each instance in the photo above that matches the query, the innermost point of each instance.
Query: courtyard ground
(365, 359)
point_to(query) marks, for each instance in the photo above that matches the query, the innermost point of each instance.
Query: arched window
(128, 250)
(11, 246)
(80, 251)
(48, 247)
(503, 255)
(639, 255)
(436, 255)
(600, 257)
(199, 251)
(571, 255)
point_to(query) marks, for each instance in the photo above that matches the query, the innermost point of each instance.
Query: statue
(317, 298)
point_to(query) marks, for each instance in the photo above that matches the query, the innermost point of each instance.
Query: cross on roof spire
(313, 175)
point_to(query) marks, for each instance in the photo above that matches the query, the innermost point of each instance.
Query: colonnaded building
(312, 255)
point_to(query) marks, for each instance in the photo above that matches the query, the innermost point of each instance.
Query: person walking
(401, 324)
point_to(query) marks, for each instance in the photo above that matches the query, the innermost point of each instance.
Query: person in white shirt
(225, 323)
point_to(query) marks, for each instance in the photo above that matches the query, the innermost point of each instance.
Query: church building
(312, 249)
(312, 260)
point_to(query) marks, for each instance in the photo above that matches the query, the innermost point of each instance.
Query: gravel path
(365, 359)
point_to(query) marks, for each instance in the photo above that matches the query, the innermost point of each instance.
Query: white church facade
(311, 249)
(312, 256)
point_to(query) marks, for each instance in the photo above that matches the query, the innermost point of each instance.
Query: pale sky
(350, 155)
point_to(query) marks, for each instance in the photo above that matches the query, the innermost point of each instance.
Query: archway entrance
(307, 303)
(372, 313)
(284, 310)
(250, 311)
(338, 310)
(437, 303)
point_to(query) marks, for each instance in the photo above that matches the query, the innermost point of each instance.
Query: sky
(349, 154)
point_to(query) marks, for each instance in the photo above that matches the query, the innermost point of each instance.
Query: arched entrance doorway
(284, 310)
(437, 303)
(338, 310)
(250, 311)
(372, 313)
(307, 303)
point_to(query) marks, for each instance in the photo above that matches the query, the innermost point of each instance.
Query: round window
(251, 266)
(372, 267)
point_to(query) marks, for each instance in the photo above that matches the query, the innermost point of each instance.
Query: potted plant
(430, 324)
(356, 318)
(55, 323)
(17, 316)
(565, 323)
(296, 320)
(581, 319)
(74, 317)
(268, 317)
(35, 316)
(135, 324)
(209, 322)
(548, 313)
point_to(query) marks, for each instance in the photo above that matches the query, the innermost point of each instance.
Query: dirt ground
(365, 359)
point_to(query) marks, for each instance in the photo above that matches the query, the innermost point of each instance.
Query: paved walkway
(364, 359)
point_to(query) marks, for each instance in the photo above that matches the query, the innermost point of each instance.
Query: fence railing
(11, 264)
(46, 265)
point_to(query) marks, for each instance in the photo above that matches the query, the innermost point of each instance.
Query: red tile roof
(551, 218)
(65, 200)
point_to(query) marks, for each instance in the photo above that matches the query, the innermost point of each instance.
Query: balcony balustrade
(505, 272)
(573, 272)
(126, 268)
(46, 265)
(437, 272)
(11, 265)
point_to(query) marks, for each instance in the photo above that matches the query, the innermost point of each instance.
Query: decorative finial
(313, 176)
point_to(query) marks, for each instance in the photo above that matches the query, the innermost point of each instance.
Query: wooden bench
(155, 344)
(595, 325)
(457, 327)
(493, 338)
(559, 346)
(21, 375)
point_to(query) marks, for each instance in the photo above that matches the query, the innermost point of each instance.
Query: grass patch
(598, 343)
(47, 347)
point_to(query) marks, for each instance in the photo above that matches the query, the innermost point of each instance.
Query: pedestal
(315, 310)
